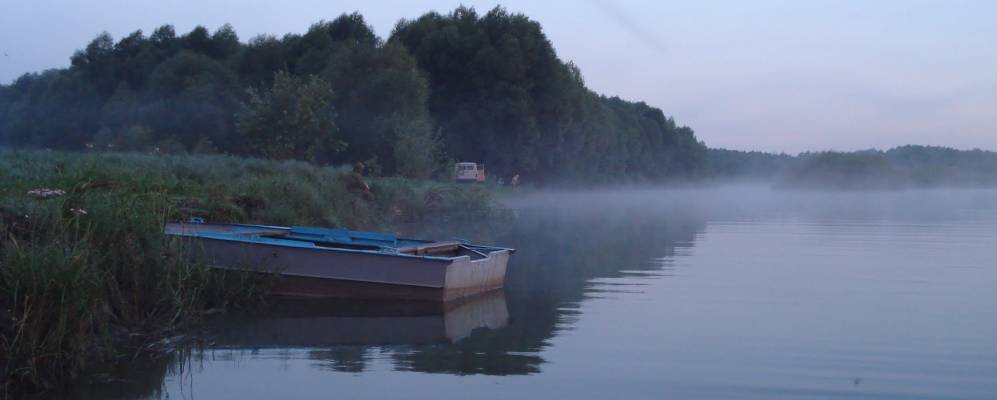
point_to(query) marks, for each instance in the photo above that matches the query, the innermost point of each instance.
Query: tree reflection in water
(561, 251)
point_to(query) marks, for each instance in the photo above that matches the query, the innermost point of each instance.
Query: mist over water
(750, 201)
(736, 292)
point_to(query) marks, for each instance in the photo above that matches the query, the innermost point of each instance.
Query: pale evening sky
(752, 75)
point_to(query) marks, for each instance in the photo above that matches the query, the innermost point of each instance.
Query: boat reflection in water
(302, 322)
(336, 334)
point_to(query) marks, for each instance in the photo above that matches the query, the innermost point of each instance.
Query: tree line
(449, 87)
(907, 166)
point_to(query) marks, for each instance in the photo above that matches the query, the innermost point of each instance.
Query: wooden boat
(325, 262)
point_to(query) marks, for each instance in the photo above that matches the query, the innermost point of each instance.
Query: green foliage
(72, 279)
(200, 89)
(461, 86)
(501, 96)
(294, 119)
(899, 167)
(837, 170)
(746, 165)
(417, 154)
(131, 138)
(260, 59)
(484, 88)
(55, 109)
(383, 95)
(934, 166)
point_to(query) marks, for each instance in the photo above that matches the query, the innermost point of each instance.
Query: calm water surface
(687, 294)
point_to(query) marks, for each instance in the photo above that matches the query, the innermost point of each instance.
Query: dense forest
(441, 88)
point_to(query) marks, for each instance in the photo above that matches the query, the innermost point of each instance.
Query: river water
(689, 294)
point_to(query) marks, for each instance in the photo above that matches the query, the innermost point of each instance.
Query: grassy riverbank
(87, 274)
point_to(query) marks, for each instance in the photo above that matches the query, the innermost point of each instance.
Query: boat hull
(324, 272)
(298, 286)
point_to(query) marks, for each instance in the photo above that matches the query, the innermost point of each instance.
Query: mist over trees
(500, 95)
(461, 86)
(456, 87)
(901, 167)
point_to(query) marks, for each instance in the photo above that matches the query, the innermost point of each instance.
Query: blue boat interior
(316, 237)
(345, 237)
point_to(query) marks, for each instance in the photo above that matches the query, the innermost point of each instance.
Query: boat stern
(468, 276)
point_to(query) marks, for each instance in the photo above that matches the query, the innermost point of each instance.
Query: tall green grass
(82, 273)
